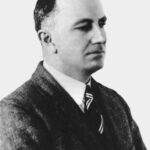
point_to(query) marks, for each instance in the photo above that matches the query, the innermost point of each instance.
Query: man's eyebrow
(84, 20)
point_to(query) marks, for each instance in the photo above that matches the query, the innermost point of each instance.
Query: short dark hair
(42, 10)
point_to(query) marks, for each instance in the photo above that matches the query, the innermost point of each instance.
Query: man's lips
(96, 52)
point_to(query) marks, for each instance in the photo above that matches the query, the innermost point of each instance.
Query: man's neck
(77, 75)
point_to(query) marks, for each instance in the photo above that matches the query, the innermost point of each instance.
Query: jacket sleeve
(136, 135)
(18, 129)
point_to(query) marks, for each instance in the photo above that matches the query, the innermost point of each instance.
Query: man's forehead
(81, 8)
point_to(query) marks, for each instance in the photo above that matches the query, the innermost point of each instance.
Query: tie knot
(88, 97)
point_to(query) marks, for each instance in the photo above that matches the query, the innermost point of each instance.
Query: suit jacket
(41, 115)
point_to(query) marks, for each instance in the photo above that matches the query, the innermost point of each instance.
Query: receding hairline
(43, 9)
(49, 19)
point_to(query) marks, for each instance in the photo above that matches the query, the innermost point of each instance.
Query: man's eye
(102, 24)
(86, 27)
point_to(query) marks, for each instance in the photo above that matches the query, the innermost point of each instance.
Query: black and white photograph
(74, 75)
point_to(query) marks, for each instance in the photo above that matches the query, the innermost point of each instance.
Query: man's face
(79, 35)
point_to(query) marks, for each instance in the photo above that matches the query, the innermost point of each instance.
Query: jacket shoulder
(21, 119)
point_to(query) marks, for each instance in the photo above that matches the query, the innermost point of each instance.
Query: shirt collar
(75, 88)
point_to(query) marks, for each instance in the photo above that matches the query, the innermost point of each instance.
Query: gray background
(127, 61)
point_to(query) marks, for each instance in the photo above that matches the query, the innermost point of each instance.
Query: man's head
(72, 35)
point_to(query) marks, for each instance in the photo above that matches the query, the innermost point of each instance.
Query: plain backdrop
(127, 61)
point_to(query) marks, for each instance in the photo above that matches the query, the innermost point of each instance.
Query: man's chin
(95, 68)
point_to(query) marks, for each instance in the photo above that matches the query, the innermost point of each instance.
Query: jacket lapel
(102, 101)
(115, 119)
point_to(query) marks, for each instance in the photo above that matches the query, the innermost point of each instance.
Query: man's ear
(44, 37)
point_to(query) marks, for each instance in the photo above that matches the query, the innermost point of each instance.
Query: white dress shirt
(75, 88)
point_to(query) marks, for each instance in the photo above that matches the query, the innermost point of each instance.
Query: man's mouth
(96, 52)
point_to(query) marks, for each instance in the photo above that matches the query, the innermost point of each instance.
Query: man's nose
(99, 36)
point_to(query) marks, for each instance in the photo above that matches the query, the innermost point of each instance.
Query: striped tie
(88, 98)
(94, 118)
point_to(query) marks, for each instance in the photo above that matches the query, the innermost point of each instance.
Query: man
(62, 107)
